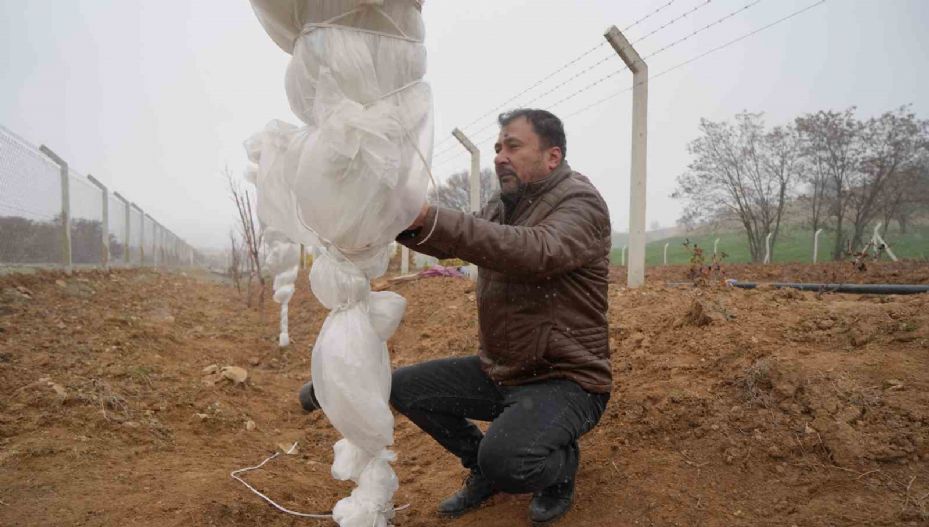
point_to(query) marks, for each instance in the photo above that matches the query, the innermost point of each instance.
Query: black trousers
(532, 441)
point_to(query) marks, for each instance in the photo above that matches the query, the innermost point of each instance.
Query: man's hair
(544, 123)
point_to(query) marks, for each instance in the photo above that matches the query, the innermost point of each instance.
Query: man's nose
(500, 158)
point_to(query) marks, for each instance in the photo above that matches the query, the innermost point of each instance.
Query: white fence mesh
(117, 230)
(30, 204)
(86, 221)
(135, 236)
(148, 241)
(32, 220)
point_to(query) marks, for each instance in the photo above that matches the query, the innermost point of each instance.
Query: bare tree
(868, 170)
(815, 178)
(832, 144)
(235, 260)
(892, 148)
(743, 172)
(251, 236)
(455, 192)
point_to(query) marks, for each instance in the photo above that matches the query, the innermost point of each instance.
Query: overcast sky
(155, 98)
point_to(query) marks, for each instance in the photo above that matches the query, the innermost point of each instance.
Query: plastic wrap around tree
(346, 183)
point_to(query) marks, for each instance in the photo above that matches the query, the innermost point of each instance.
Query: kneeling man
(542, 376)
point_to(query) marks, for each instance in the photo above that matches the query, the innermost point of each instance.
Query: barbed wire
(538, 83)
(698, 57)
(665, 48)
(646, 17)
(673, 21)
(666, 71)
(599, 81)
(702, 29)
(568, 64)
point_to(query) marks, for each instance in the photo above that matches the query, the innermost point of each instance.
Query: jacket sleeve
(576, 231)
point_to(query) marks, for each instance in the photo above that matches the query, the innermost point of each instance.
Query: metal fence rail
(52, 215)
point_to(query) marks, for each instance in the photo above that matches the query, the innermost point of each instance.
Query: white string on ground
(317, 516)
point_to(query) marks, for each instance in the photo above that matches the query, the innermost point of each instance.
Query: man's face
(520, 157)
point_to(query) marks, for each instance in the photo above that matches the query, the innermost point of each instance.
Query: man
(542, 376)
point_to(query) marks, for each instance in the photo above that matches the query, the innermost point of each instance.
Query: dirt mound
(731, 407)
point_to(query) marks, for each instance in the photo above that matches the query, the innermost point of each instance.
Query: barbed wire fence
(53, 216)
(551, 90)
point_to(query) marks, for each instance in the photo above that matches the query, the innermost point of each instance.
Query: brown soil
(731, 407)
(908, 272)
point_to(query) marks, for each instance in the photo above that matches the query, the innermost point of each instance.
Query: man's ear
(554, 158)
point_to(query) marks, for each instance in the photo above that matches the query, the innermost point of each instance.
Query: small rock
(235, 374)
(212, 368)
(202, 417)
(254, 361)
(893, 384)
(59, 390)
(250, 425)
(61, 283)
(131, 424)
(775, 453)
(286, 449)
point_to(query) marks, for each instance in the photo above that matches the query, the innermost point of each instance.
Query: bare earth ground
(731, 407)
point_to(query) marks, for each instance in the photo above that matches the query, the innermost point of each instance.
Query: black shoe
(477, 489)
(551, 503)
(308, 398)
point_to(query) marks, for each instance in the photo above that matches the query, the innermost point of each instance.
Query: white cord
(434, 223)
(235, 475)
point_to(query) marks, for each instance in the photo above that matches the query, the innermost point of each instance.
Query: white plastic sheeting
(283, 261)
(346, 183)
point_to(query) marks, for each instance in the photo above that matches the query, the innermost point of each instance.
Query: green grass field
(793, 245)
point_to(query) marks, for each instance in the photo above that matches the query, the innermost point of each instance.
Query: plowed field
(731, 407)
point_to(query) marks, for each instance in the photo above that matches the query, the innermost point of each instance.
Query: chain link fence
(51, 215)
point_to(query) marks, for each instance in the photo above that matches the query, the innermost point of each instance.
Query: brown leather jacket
(542, 280)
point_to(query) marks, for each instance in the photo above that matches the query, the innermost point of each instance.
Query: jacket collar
(533, 190)
(549, 182)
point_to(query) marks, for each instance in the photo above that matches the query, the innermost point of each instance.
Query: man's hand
(420, 219)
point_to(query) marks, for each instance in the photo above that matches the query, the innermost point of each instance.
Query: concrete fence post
(816, 244)
(716, 247)
(65, 207)
(635, 275)
(666, 252)
(475, 180)
(767, 248)
(105, 228)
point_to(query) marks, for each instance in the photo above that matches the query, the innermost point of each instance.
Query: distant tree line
(25, 241)
(845, 172)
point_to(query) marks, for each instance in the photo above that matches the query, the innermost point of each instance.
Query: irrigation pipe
(861, 289)
(324, 516)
